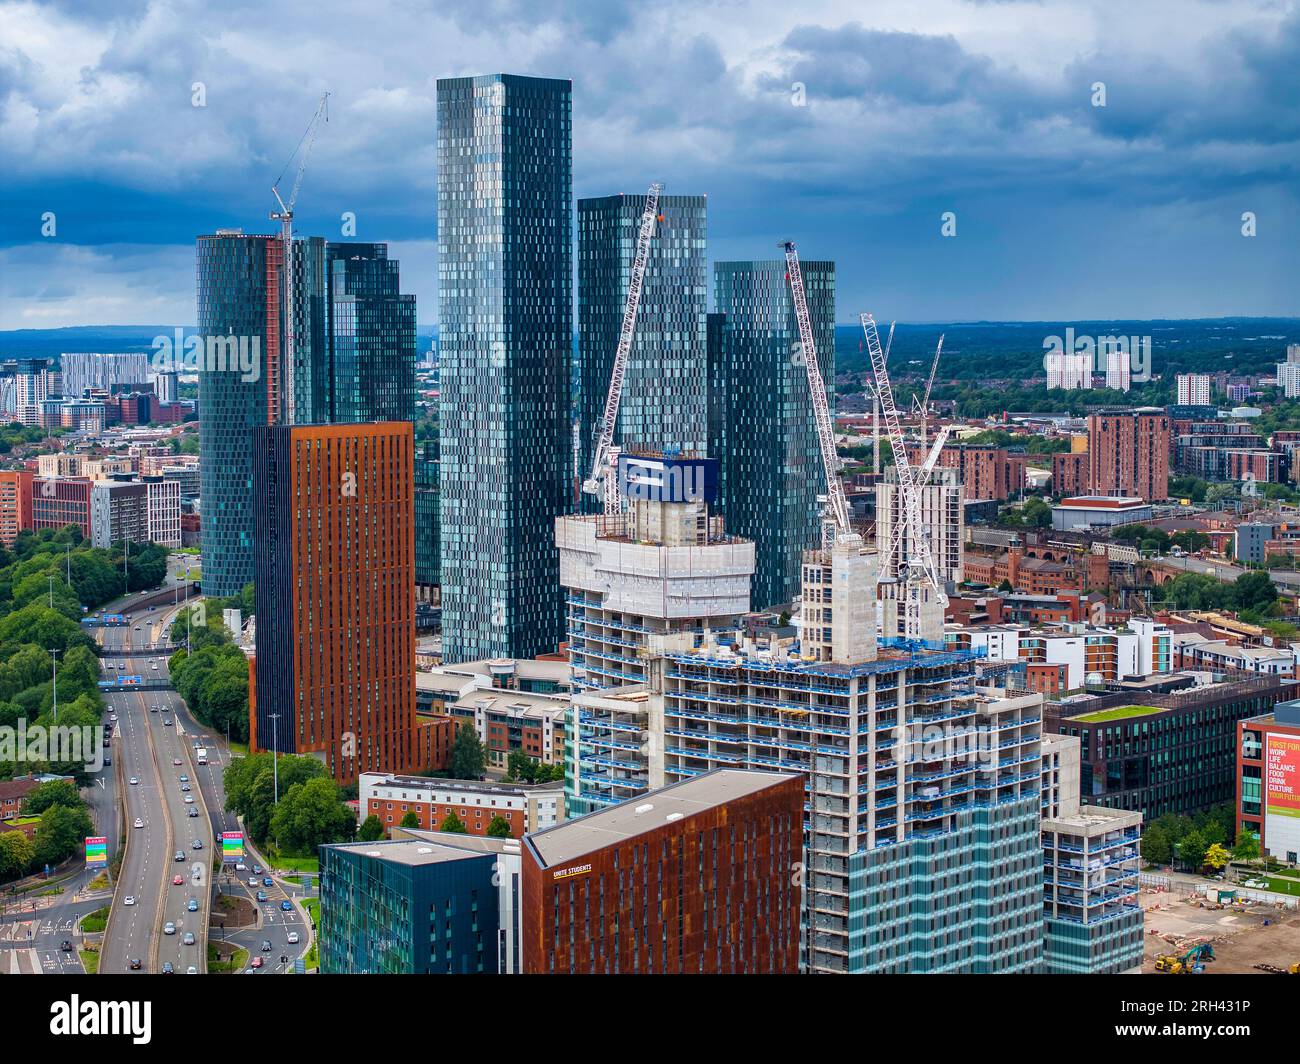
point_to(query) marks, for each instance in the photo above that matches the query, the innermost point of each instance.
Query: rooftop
(1118, 713)
(562, 843)
(384, 779)
(410, 852)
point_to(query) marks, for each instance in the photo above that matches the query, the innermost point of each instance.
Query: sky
(853, 128)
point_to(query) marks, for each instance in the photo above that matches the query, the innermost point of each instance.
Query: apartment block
(164, 507)
(15, 504)
(1070, 473)
(942, 522)
(1128, 453)
(984, 470)
(1194, 389)
(695, 877)
(334, 562)
(523, 806)
(60, 501)
(119, 511)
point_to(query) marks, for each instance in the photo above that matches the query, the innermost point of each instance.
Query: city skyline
(1063, 208)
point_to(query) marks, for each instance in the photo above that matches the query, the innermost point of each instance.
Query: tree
(1006, 585)
(55, 792)
(451, 822)
(61, 832)
(410, 820)
(371, 829)
(1219, 493)
(1216, 856)
(468, 758)
(16, 854)
(1191, 850)
(1254, 591)
(311, 814)
(1247, 848)
(1157, 847)
(498, 828)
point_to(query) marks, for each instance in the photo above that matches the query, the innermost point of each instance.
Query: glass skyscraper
(354, 361)
(371, 337)
(236, 301)
(427, 540)
(505, 339)
(760, 415)
(665, 392)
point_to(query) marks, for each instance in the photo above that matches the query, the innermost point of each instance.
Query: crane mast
(600, 481)
(923, 478)
(920, 564)
(925, 402)
(285, 217)
(836, 504)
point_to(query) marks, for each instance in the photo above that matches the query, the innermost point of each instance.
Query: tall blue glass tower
(760, 414)
(505, 338)
(665, 390)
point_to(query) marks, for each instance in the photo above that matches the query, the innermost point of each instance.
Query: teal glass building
(427, 540)
(760, 415)
(505, 343)
(371, 337)
(663, 406)
(407, 907)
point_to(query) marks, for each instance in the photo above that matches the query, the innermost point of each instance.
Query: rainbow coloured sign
(232, 846)
(96, 852)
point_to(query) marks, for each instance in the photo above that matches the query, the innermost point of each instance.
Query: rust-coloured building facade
(1070, 473)
(334, 566)
(1128, 453)
(696, 877)
(15, 504)
(986, 471)
(60, 501)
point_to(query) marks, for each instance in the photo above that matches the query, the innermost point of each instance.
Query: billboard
(96, 852)
(232, 846)
(1282, 794)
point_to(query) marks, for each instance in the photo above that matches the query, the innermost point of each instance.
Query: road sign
(96, 851)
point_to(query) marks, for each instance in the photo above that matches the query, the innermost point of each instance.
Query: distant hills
(972, 350)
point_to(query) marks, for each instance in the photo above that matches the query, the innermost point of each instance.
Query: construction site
(1223, 933)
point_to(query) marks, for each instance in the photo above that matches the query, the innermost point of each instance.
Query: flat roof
(1117, 713)
(410, 852)
(442, 783)
(1100, 502)
(563, 842)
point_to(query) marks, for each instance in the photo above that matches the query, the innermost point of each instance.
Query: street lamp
(54, 676)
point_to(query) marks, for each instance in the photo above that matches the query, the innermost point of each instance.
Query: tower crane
(836, 526)
(600, 482)
(920, 566)
(285, 217)
(922, 478)
(922, 406)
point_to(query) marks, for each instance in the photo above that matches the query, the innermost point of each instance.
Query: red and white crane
(285, 217)
(837, 526)
(601, 482)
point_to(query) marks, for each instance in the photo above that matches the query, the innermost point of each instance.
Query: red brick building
(697, 877)
(1070, 473)
(1128, 453)
(523, 806)
(60, 501)
(986, 471)
(15, 504)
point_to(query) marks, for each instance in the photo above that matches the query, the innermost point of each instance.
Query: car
(121, 666)
(191, 970)
(137, 627)
(139, 823)
(183, 778)
(197, 844)
(266, 945)
(177, 880)
(113, 717)
(192, 905)
(261, 895)
(191, 811)
(135, 964)
(169, 928)
(293, 938)
(108, 762)
(134, 781)
(267, 881)
(252, 881)
(176, 761)
(188, 940)
(66, 946)
(154, 667)
(286, 905)
(257, 962)
(185, 788)
(240, 866)
(167, 722)
(189, 799)
(167, 968)
(257, 869)
(129, 900)
(179, 855)
(153, 709)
